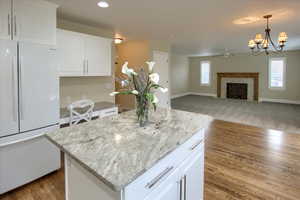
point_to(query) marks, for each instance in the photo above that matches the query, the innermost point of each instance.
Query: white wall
(179, 66)
(249, 63)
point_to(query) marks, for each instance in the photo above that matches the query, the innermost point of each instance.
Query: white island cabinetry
(179, 176)
(120, 161)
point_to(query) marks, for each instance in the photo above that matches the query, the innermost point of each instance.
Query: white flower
(131, 72)
(135, 92)
(150, 65)
(125, 68)
(127, 71)
(164, 90)
(124, 83)
(155, 99)
(114, 93)
(154, 78)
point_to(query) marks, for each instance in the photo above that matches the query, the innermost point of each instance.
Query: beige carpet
(277, 116)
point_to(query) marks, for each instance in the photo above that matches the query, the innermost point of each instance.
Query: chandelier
(264, 43)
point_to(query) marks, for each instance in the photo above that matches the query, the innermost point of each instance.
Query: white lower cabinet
(178, 176)
(168, 190)
(192, 177)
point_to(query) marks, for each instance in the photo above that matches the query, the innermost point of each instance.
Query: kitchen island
(115, 159)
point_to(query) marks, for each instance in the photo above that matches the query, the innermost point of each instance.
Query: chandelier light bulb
(265, 44)
(283, 37)
(258, 38)
(251, 44)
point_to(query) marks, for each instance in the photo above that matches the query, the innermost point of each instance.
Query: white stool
(81, 110)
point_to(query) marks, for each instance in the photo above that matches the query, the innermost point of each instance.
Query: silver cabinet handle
(9, 27)
(13, 89)
(83, 66)
(15, 24)
(180, 189)
(196, 145)
(184, 187)
(21, 89)
(87, 63)
(159, 177)
(109, 112)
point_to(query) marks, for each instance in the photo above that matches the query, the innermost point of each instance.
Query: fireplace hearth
(237, 91)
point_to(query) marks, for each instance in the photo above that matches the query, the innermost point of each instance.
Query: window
(277, 69)
(205, 73)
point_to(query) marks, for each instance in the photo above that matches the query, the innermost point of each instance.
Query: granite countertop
(64, 112)
(116, 150)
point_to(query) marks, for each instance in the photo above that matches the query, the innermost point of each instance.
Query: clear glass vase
(142, 110)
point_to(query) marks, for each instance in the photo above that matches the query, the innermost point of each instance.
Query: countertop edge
(106, 182)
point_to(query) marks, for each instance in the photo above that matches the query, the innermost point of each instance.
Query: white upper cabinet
(5, 19)
(98, 56)
(83, 55)
(70, 46)
(34, 21)
(28, 21)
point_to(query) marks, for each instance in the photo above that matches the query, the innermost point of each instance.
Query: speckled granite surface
(117, 150)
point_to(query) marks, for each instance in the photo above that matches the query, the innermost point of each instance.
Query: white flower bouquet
(142, 84)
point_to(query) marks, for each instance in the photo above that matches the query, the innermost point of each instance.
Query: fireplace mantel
(254, 76)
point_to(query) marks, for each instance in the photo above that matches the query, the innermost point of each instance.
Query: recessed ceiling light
(103, 4)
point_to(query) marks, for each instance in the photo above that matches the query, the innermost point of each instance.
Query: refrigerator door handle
(15, 24)
(9, 27)
(20, 88)
(87, 63)
(13, 89)
(83, 66)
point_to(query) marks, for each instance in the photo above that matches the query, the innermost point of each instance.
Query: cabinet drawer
(109, 112)
(151, 179)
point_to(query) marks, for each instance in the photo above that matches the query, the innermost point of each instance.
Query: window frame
(209, 76)
(283, 76)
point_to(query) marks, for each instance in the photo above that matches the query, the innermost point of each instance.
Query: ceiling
(193, 27)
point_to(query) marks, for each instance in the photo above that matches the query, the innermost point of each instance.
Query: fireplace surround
(254, 76)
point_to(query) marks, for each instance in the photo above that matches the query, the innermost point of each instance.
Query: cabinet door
(193, 177)
(70, 47)
(38, 86)
(34, 21)
(8, 88)
(5, 19)
(168, 190)
(98, 56)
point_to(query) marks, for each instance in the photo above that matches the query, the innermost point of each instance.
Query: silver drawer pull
(159, 177)
(110, 112)
(196, 145)
(184, 187)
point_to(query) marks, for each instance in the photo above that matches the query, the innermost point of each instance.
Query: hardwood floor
(242, 163)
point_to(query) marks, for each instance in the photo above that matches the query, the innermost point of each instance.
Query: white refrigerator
(29, 107)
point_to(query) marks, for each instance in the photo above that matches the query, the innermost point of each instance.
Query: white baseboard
(279, 101)
(180, 95)
(194, 93)
(204, 94)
